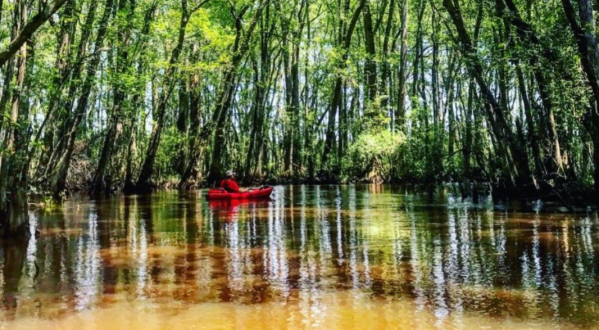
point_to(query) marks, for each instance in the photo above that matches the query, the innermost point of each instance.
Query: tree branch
(28, 30)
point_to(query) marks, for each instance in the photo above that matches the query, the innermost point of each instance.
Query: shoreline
(485, 196)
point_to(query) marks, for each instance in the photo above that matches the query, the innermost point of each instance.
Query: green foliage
(277, 118)
(372, 157)
(169, 154)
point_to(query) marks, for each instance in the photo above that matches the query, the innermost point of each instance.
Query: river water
(312, 257)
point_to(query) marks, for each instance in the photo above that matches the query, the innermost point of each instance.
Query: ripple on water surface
(329, 257)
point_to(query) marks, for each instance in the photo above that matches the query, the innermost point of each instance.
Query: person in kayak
(229, 184)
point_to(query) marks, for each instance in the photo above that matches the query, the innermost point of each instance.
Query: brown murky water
(347, 257)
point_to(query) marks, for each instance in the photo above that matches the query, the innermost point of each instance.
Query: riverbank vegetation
(126, 94)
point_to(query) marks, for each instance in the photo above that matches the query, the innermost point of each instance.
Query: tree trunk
(57, 149)
(226, 93)
(295, 106)
(147, 170)
(137, 101)
(14, 219)
(295, 136)
(262, 85)
(596, 158)
(417, 57)
(547, 118)
(403, 69)
(385, 67)
(370, 69)
(6, 94)
(67, 33)
(532, 135)
(517, 164)
(336, 99)
(589, 57)
(468, 138)
(123, 64)
(191, 171)
(59, 178)
(182, 122)
(289, 105)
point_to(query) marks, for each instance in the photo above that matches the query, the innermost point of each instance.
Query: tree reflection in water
(378, 244)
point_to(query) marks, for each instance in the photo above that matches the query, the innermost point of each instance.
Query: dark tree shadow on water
(14, 253)
(145, 205)
(107, 213)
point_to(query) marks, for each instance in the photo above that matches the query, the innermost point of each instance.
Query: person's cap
(230, 172)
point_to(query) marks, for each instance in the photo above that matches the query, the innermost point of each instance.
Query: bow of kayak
(221, 194)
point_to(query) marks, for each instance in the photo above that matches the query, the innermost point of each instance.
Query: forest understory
(571, 196)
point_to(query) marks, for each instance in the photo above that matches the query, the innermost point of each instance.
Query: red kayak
(222, 194)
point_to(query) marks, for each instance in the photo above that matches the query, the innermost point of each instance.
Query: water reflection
(362, 244)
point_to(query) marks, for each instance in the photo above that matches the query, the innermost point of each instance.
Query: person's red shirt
(230, 185)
